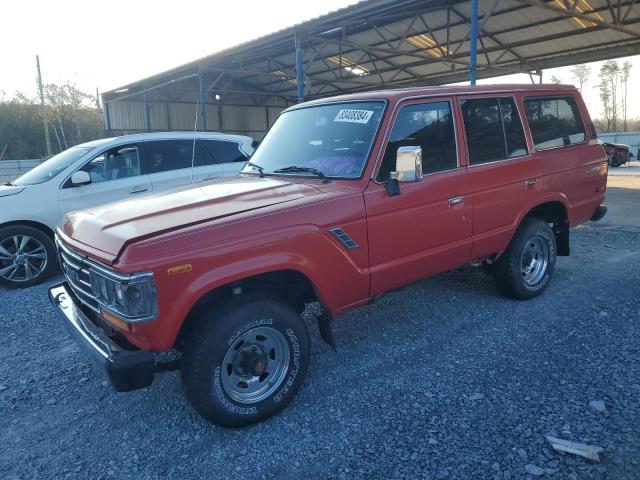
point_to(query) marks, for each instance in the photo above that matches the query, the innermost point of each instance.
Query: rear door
(116, 174)
(427, 228)
(502, 172)
(173, 163)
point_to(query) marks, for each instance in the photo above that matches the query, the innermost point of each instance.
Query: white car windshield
(51, 167)
(325, 140)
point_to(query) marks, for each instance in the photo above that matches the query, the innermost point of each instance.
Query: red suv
(345, 198)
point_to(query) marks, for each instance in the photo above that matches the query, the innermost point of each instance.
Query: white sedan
(96, 173)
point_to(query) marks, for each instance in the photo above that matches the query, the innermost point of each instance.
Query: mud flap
(326, 332)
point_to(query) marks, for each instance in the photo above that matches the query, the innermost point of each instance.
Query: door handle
(455, 200)
(531, 181)
(138, 190)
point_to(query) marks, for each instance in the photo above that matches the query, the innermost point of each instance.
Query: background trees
(613, 90)
(72, 115)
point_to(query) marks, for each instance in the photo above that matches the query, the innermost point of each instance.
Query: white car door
(225, 154)
(169, 164)
(115, 174)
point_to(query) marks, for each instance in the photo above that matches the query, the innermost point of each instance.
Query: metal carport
(370, 45)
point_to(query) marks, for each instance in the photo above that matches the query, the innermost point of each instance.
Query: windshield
(333, 139)
(51, 167)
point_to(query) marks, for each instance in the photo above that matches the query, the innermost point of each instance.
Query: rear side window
(211, 152)
(494, 130)
(554, 122)
(426, 125)
(165, 155)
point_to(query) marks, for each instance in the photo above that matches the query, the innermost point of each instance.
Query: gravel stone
(392, 401)
(534, 470)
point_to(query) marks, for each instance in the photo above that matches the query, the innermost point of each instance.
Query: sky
(108, 44)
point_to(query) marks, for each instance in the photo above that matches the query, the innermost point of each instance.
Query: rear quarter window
(554, 122)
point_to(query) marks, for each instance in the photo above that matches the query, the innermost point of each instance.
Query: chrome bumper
(126, 369)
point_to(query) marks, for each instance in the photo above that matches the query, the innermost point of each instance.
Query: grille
(76, 271)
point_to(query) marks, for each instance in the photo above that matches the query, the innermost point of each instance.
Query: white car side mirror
(80, 178)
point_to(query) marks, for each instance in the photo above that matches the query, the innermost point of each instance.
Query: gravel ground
(442, 379)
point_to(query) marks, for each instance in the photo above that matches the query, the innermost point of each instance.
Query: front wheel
(27, 256)
(525, 268)
(245, 361)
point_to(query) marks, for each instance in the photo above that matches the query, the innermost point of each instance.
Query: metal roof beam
(583, 16)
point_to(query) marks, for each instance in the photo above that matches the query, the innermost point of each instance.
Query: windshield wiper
(257, 167)
(295, 168)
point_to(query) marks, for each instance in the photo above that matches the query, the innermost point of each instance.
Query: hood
(109, 227)
(6, 190)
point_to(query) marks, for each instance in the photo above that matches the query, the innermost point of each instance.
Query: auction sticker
(353, 116)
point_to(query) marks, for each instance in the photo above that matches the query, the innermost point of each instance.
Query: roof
(139, 137)
(399, 93)
(377, 44)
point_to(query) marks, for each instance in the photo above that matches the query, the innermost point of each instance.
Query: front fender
(336, 276)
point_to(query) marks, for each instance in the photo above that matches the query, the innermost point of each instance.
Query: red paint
(238, 227)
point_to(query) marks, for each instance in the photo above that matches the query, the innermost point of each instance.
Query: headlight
(133, 299)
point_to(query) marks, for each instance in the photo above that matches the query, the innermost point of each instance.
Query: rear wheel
(245, 361)
(525, 268)
(27, 256)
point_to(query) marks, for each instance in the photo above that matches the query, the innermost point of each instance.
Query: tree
(605, 98)
(610, 75)
(624, 80)
(72, 115)
(555, 80)
(580, 73)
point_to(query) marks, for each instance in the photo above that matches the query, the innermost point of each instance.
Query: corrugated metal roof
(387, 43)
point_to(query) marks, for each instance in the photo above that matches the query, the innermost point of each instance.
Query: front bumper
(126, 369)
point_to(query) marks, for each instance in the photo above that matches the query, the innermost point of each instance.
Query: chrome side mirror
(408, 164)
(408, 169)
(80, 178)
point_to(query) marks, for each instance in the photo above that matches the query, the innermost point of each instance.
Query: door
(116, 174)
(225, 154)
(427, 228)
(174, 163)
(503, 174)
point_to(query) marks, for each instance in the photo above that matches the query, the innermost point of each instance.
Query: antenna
(193, 150)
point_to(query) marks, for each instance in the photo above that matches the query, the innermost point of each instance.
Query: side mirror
(408, 169)
(408, 164)
(80, 178)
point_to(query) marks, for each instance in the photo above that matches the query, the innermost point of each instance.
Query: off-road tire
(507, 270)
(213, 336)
(39, 236)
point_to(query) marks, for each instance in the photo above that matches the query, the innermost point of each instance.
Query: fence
(629, 138)
(10, 169)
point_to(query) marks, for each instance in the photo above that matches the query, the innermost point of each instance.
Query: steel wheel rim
(534, 261)
(22, 258)
(255, 365)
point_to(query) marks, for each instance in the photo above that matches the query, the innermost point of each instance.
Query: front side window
(166, 155)
(554, 122)
(425, 125)
(334, 139)
(114, 164)
(211, 152)
(493, 128)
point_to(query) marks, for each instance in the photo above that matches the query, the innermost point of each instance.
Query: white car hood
(6, 190)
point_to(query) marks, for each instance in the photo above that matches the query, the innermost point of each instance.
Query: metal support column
(147, 114)
(107, 118)
(203, 110)
(299, 69)
(473, 41)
